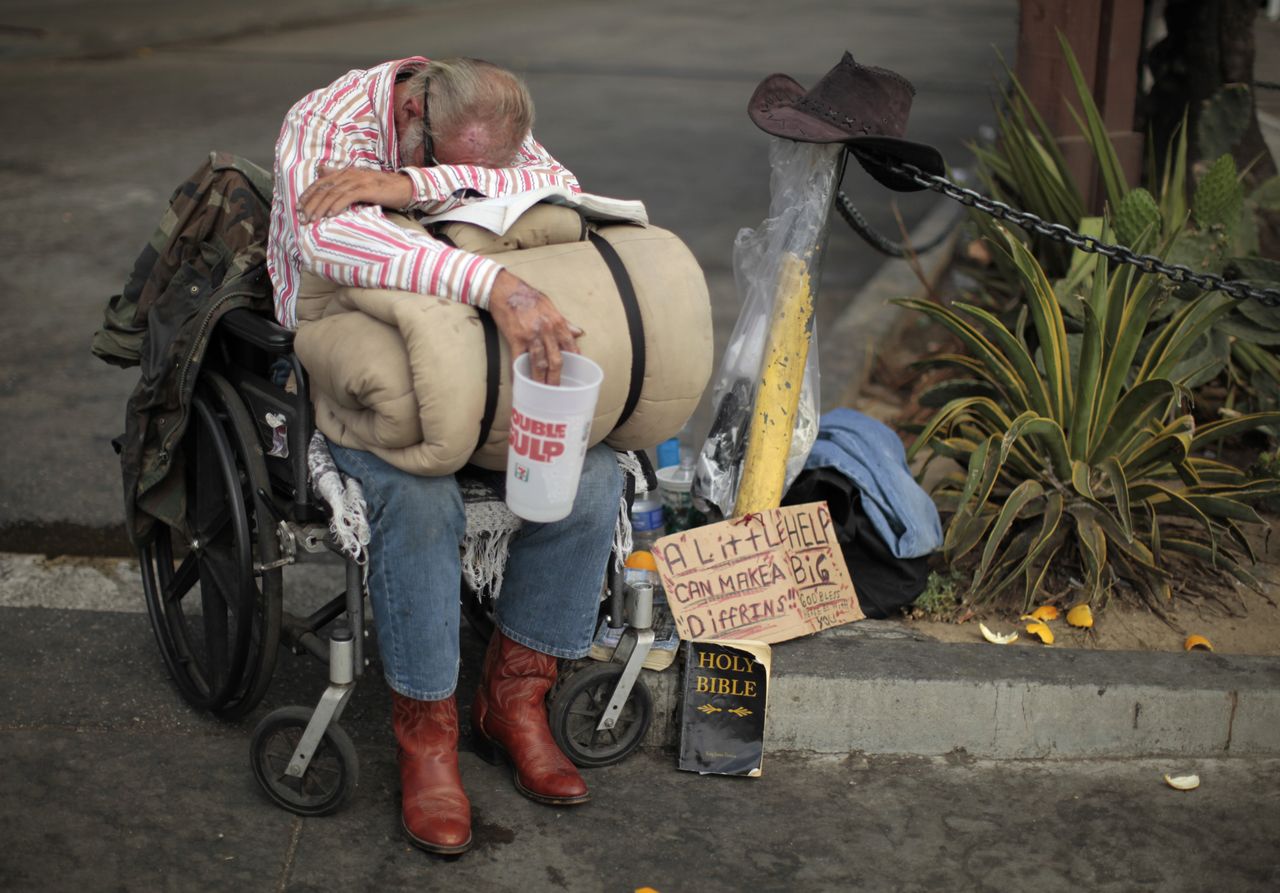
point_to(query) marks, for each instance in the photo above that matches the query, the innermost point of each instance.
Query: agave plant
(1080, 454)
(1213, 229)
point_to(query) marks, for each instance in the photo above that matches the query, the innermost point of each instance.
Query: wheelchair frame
(248, 513)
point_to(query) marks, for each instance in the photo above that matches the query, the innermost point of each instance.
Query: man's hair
(466, 91)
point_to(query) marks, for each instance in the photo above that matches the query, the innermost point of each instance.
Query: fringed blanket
(490, 524)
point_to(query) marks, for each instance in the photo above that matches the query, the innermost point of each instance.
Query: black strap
(492, 357)
(635, 324)
(493, 374)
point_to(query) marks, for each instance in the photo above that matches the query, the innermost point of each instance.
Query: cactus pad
(1219, 196)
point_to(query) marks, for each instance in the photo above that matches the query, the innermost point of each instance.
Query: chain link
(1148, 263)
(878, 240)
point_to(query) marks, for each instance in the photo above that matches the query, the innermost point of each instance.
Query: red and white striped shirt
(351, 123)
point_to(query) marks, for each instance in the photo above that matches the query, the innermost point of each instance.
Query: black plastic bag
(884, 583)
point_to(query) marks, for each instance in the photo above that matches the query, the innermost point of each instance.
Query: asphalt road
(110, 782)
(107, 106)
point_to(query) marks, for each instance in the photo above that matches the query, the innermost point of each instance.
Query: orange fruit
(642, 561)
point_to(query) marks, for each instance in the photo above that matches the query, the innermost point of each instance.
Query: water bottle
(647, 523)
(669, 452)
(674, 450)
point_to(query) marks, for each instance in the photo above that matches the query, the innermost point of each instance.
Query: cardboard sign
(767, 576)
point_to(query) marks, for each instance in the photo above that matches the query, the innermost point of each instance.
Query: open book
(498, 214)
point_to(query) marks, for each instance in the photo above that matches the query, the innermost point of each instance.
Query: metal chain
(1148, 263)
(878, 240)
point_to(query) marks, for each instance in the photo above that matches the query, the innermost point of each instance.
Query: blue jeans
(550, 594)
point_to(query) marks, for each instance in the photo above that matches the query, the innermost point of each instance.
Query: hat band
(840, 119)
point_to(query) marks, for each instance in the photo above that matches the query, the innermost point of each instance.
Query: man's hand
(337, 189)
(531, 323)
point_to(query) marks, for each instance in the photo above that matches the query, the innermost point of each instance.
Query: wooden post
(1106, 36)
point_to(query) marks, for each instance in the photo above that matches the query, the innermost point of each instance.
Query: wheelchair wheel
(331, 775)
(215, 617)
(577, 707)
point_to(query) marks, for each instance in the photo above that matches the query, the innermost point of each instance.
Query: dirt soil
(1120, 627)
(1245, 622)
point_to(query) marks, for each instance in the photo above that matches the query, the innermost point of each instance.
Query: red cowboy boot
(509, 720)
(435, 811)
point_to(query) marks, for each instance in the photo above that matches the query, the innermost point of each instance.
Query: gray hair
(474, 91)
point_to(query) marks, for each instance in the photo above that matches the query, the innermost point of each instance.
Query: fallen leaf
(1194, 642)
(1182, 782)
(997, 638)
(1080, 615)
(978, 252)
(1040, 631)
(1044, 612)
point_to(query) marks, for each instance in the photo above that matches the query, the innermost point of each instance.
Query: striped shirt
(351, 123)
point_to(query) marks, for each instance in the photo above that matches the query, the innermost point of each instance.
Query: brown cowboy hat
(862, 106)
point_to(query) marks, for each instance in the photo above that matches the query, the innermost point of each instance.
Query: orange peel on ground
(1081, 615)
(1044, 612)
(1041, 631)
(1194, 642)
(997, 638)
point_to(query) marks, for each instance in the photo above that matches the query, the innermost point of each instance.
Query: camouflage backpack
(217, 219)
(207, 256)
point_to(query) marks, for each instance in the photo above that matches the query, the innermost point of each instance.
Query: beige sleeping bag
(407, 376)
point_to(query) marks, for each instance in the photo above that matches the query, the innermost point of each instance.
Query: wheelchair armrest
(257, 330)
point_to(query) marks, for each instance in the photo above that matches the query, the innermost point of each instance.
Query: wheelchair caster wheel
(576, 710)
(330, 777)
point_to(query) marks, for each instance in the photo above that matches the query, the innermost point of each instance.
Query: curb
(877, 686)
(872, 687)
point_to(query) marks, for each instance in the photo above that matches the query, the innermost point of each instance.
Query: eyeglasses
(428, 147)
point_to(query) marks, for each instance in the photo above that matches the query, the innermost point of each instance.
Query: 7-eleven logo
(522, 473)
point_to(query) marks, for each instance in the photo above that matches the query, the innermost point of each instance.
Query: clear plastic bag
(770, 262)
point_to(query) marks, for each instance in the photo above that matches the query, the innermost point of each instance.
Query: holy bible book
(726, 687)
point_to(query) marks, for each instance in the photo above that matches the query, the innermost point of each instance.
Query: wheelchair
(215, 591)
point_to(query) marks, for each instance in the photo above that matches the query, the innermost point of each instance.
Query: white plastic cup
(550, 426)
